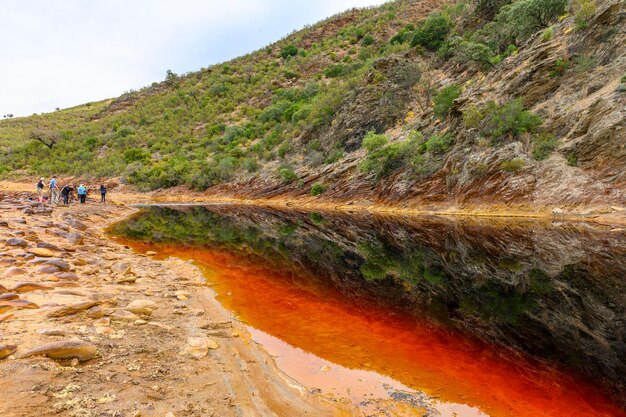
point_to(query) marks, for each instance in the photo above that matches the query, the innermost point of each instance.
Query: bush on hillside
(432, 31)
(444, 100)
(544, 145)
(509, 119)
(514, 165)
(439, 144)
(318, 188)
(289, 51)
(489, 8)
(287, 174)
(367, 40)
(136, 155)
(583, 11)
(528, 16)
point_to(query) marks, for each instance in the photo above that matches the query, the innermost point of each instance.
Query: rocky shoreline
(90, 328)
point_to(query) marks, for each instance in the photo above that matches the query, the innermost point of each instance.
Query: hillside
(414, 103)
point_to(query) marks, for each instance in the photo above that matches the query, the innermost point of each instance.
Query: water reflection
(555, 292)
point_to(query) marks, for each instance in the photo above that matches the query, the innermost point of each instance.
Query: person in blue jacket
(82, 193)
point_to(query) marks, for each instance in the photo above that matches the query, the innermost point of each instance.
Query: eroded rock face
(584, 109)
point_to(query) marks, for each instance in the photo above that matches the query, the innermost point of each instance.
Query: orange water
(417, 353)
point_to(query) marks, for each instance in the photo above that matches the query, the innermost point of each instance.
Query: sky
(67, 52)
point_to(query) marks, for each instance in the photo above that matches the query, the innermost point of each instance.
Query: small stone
(7, 350)
(49, 246)
(14, 241)
(73, 309)
(9, 296)
(123, 315)
(13, 271)
(76, 224)
(325, 368)
(197, 346)
(22, 287)
(95, 312)
(182, 295)
(75, 238)
(140, 322)
(120, 268)
(151, 253)
(126, 280)
(142, 307)
(43, 252)
(47, 269)
(234, 334)
(51, 332)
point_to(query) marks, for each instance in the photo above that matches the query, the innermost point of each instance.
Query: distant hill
(485, 102)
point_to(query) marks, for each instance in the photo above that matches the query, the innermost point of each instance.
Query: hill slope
(417, 103)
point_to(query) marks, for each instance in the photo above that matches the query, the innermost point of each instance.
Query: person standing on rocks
(82, 193)
(40, 187)
(103, 193)
(65, 193)
(54, 191)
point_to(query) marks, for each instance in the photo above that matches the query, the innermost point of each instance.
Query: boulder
(66, 349)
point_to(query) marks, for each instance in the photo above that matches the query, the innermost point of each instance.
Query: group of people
(67, 192)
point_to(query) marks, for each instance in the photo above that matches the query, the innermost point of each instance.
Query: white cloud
(67, 52)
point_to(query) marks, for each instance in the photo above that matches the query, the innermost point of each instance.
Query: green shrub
(584, 63)
(333, 156)
(444, 99)
(572, 159)
(528, 16)
(547, 34)
(544, 145)
(583, 11)
(560, 66)
(463, 51)
(289, 51)
(404, 35)
(623, 79)
(335, 71)
(367, 40)
(514, 165)
(490, 8)
(287, 174)
(318, 188)
(373, 141)
(432, 31)
(472, 116)
(509, 119)
(283, 149)
(136, 155)
(439, 144)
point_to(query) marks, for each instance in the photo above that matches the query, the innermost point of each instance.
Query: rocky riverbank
(90, 328)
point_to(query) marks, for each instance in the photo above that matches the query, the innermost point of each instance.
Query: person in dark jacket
(65, 193)
(103, 193)
(40, 187)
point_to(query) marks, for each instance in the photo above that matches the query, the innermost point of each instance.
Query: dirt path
(163, 345)
(612, 216)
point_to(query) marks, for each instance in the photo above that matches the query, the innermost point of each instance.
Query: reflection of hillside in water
(554, 291)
